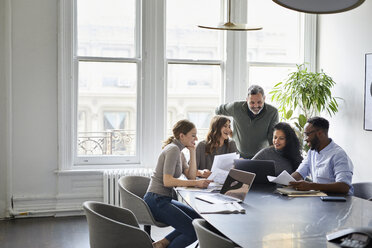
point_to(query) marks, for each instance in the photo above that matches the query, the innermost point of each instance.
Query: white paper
(283, 178)
(224, 161)
(219, 176)
(223, 208)
(213, 186)
(221, 166)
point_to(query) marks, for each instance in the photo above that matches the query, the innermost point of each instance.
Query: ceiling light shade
(230, 25)
(320, 6)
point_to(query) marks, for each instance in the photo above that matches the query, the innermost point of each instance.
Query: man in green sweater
(253, 121)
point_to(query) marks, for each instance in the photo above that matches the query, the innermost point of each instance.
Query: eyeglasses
(308, 133)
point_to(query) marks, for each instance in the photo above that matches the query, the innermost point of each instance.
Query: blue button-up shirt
(329, 165)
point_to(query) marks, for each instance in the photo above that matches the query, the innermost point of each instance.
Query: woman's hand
(202, 183)
(191, 148)
(204, 173)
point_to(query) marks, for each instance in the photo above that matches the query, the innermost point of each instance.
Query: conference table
(274, 220)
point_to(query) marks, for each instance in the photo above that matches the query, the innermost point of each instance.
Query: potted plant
(306, 94)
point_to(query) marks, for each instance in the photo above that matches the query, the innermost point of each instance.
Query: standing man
(254, 121)
(326, 162)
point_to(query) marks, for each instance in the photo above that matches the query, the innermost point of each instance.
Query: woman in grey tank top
(171, 164)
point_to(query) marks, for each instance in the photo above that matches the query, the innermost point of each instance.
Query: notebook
(234, 189)
(262, 168)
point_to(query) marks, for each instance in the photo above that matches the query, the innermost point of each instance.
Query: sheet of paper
(213, 186)
(224, 161)
(219, 176)
(283, 178)
(221, 166)
(223, 208)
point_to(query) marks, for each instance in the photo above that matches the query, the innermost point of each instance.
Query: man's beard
(314, 144)
(257, 111)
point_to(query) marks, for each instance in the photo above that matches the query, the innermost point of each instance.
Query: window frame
(152, 78)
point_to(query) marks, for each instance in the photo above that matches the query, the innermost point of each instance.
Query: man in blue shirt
(326, 162)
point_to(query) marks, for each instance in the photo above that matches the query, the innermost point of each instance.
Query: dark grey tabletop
(273, 220)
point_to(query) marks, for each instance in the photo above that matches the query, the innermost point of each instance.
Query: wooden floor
(48, 232)
(53, 232)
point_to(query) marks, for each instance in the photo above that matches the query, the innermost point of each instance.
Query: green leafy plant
(306, 94)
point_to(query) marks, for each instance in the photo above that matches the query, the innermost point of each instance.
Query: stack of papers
(220, 208)
(284, 178)
(221, 166)
(289, 191)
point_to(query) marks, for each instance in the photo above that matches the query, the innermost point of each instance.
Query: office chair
(363, 190)
(132, 190)
(113, 227)
(208, 238)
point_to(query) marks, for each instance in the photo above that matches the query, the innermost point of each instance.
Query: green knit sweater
(250, 135)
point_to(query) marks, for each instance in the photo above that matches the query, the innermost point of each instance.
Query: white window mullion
(310, 37)
(236, 56)
(65, 88)
(153, 81)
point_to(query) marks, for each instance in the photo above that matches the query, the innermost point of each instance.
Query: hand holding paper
(283, 178)
(221, 166)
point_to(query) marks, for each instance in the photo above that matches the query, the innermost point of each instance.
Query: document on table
(220, 208)
(221, 166)
(283, 178)
(289, 191)
(213, 186)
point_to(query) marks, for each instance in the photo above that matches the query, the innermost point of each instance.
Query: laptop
(262, 168)
(234, 189)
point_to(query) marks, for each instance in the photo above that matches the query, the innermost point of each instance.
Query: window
(201, 119)
(273, 52)
(107, 64)
(114, 120)
(195, 59)
(129, 69)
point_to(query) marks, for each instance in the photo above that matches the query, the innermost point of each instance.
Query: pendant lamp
(230, 25)
(320, 6)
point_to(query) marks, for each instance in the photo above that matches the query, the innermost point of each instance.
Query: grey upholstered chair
(209, 238)
(113, 227)
(363, 190)
(132, 190)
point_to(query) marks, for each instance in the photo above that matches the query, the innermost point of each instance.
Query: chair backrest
(208, 238)
(113, 227)
(363, 190)
(132, 190)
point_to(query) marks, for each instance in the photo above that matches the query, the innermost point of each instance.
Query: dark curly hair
(292, 150)
(214, 133)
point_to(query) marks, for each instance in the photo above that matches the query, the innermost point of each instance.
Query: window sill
(95, 169)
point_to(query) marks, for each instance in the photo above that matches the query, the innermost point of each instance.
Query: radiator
(111, 193)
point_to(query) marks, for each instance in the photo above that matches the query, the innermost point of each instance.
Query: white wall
(34, 85)
(35, 184)
(3, 170)
(344, 39)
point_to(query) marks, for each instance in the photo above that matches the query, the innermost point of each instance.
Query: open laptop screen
(234, 189)
(262, 168)
(237, 184)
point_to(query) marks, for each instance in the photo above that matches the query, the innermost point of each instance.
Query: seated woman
(217, 142)
(171, 164)
(285, 150)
